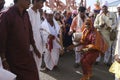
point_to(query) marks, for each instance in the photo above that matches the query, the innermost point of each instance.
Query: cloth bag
(6, 75)
(113, 35)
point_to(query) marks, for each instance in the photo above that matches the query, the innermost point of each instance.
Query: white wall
(112, 9)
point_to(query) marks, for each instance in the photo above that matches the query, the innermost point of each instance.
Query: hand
(5, 65)
(117, 58)
(46, 45)
(4, 62)
(51, 36)
(102, 25)
(67, 24)
(108, 28)
(74, 31)
(70, 33)
(61, 51)
(37, 53)
(85, 49)
(82, 51)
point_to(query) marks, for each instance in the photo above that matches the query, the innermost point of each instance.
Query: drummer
(76, 27)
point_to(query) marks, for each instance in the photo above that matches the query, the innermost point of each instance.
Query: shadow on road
(66, 71)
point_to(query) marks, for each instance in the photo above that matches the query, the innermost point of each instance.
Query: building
(113, 6)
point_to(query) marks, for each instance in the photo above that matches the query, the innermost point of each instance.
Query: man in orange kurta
(76, 27)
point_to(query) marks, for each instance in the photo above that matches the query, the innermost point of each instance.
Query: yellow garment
(115, 68)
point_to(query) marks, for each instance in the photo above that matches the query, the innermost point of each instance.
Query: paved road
(66, 71)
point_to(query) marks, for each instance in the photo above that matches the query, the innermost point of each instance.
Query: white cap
(49, 11)
(105, 4)
(118, 5)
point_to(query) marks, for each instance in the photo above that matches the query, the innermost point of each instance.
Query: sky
(89, 2)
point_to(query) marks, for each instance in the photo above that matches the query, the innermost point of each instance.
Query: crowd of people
(31, 36)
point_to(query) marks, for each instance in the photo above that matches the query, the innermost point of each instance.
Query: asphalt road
(66, 70)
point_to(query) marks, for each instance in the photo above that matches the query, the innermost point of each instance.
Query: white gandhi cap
(49, 11)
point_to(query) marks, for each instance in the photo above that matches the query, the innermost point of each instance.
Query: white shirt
(36, 24)
(110, 20)
(48, 29)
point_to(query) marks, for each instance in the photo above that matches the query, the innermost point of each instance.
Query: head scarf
(99, 43)
(86, 30)
(74, 12)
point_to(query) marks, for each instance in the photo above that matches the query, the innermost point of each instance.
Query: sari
(93, 41)
(98, 42)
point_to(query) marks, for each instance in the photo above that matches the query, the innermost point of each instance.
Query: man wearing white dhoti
(35, 20)
(105, 22)
(76, 27)
(50, 29)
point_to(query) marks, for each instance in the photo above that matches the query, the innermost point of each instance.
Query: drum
(76, 37)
